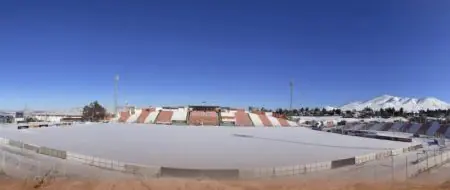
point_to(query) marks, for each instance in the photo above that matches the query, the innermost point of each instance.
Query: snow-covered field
(201, 147)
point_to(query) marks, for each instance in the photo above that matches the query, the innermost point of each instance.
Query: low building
(56, 117)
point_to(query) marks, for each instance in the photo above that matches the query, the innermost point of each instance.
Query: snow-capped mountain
(408, 104)
(329, 108)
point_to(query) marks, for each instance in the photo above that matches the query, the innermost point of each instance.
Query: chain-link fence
(22, 164)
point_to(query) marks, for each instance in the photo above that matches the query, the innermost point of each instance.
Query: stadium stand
(256, 120)
(386, 126)
(242, 118)
(432, 130)
(368, 126)
(422, 130)
(164, 117)
(265, 120)
(144, 114)
(228, 118)
(203, 118)
(179, 116)
(151, 118)
(202, 115)
(124, 116)
(446, 130)
(442, 130)
(348, 126)
(135, 113)
(377, 127)
(397, 127)
(414, 128)
(406, 127)
(273, 120)
(358, 126)
(283, 122)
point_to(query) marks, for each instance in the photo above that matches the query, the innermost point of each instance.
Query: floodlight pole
(116, 86)
(291, 86)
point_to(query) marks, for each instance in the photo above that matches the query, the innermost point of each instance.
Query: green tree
(324, 111)
(94, 112)
(401, 112)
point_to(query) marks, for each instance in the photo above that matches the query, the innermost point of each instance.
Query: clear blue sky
(61, 54)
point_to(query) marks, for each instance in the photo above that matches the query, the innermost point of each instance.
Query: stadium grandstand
(428, 129)
(201, 115)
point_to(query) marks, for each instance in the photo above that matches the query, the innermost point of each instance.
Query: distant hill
(408, 104)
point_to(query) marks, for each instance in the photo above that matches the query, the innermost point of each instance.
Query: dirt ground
(190, 184)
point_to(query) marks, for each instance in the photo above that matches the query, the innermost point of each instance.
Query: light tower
(116, 86)
(291, 86)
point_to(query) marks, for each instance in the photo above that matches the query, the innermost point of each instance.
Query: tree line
(365, 113)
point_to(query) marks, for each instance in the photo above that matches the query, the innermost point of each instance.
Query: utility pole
(116, 86)
(291, 86)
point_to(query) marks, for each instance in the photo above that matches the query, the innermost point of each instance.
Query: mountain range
(408, 104)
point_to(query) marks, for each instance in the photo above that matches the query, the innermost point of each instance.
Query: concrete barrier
(97, 162)
(397, 151)
(52, 152)
(4, 141)
(365, 158)
(284, 171)
(248, 173)
(17, 144)
(200, 173)
(31, 147)
(323, 166)
(75, 157)
(256, 173)
(343, 162)
(147, 171)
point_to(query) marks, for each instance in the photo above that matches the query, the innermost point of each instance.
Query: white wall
(49, 118)
(179, 115)
(256, 120)
(274, 121)
(292, 124)
(151, 118)
(133, 118)
(228, 114)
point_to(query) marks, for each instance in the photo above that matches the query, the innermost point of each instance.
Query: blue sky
(61, 54)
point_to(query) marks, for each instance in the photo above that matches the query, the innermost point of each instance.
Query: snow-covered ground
(201, 147)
